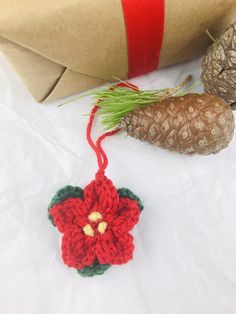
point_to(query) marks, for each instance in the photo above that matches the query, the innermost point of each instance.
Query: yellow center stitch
(88, 230)
(95, 216)
(102, 227)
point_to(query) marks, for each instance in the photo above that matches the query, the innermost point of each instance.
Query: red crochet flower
(95, 223)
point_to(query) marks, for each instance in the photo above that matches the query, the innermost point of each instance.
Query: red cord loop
(97, 148)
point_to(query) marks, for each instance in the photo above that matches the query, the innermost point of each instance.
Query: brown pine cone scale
(194, 123)
(219, 66)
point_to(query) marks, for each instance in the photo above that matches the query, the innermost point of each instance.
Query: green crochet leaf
(64, 193)
(93, 270)
(124, 192)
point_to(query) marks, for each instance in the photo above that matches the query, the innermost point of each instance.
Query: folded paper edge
(59, 70)
(74, 85)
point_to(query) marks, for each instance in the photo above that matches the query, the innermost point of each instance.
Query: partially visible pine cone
(219, 66)
(202, 124)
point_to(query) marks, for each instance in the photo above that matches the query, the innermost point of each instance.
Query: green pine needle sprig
(118, 101)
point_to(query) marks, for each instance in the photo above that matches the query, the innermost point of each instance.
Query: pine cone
(219, 66)
(194, 123)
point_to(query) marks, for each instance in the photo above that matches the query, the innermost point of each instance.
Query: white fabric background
(185, 257)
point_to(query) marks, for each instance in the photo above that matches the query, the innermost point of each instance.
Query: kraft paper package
(61, 47)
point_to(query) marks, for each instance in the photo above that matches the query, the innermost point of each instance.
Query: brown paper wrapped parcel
(61, 47)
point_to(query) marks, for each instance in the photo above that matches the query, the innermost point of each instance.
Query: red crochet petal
(78, 250)
(69, 212)
(126, 217)
(113, 250)
(101, 195)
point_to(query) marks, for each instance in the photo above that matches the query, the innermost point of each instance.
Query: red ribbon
(144, 27)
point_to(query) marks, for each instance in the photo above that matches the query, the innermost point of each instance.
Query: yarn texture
(95, 222)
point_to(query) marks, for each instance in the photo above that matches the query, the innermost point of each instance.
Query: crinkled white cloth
(185, 256)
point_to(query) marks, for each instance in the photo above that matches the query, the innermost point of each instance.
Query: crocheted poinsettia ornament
(96, 221)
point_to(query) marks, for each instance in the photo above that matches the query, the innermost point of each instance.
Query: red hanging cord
(97, 148)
